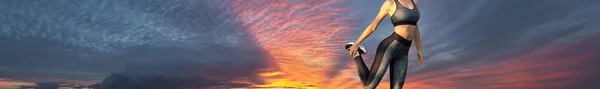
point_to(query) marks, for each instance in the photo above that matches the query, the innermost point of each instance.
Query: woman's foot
(361, 49)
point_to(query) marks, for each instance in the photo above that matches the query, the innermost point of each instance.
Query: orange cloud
(302, 37)
(12, 84)
(544, 69)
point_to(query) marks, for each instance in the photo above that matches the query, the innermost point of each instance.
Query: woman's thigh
(398, 68)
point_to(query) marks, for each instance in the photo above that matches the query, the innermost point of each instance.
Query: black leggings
(392, 50)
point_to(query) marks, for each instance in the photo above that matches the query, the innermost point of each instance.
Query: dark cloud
(2, 74)
(182, 75)
(496, 31)
(119, 81)
(176, 42)
(166, 80)
(47, 85)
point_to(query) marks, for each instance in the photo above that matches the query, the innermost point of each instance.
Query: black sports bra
(403, 15)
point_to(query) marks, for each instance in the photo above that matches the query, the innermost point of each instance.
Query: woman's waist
(404, 31)
(405, 28)
(397, 37)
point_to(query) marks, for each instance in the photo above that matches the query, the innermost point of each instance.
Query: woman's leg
(398, 68)
(363, 71)
(385, 52)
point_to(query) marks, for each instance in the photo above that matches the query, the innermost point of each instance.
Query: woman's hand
(420, 59)
(353, 51)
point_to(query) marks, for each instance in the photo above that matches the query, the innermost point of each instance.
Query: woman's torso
(404, 15)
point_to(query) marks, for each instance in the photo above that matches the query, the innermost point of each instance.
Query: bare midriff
(405, 31)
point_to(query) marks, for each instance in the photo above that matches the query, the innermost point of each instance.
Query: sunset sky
(468, 44)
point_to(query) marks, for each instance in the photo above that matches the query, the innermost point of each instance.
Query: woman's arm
(417, 40)
(373, 26)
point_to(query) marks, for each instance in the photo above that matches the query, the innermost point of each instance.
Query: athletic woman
(393, 50)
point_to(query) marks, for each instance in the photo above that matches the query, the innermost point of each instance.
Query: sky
(176, 44)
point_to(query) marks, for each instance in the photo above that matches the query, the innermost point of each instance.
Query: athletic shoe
(361, 49)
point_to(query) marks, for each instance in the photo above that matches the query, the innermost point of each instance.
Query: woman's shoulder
(388, 3)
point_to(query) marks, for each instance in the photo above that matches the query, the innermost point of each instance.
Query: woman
(393, 50)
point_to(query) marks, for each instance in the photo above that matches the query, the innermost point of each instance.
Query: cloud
(179, 76)
(107, 26)
(498, 40)
(495, 36)
(58, 41)
(2, 74)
